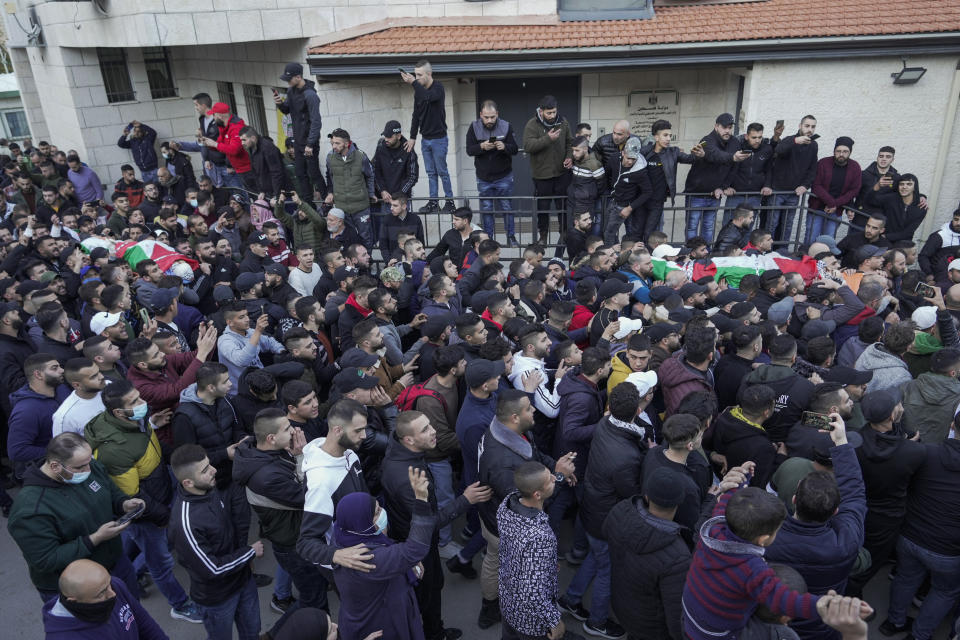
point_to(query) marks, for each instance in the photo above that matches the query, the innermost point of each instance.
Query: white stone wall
(857, 98)
(146, 23)
(29, 94)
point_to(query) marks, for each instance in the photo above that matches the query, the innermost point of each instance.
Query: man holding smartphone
(303, 105)
(794, 169)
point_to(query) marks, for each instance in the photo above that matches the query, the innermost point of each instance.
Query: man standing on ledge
(547, 138)
(303, 105)
(430, 119)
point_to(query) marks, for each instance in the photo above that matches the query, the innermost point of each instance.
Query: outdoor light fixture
(908, 75)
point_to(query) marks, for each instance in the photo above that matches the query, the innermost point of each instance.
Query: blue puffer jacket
(581, 407)
(824, 552)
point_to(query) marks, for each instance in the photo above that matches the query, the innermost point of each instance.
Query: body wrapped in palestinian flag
(733, 269)
(133, 252)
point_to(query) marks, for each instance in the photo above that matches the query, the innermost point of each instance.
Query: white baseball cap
(664, 250)
(628, 325)
(954, 264)
(644, 381)
(924, 317)
(101, 321)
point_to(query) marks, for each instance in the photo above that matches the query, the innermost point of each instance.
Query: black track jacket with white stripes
(210, 547)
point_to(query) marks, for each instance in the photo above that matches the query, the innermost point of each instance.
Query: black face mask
(98, 612)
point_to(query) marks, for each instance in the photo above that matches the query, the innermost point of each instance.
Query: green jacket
(309, 232)
(929, 404)
(51, 522)
(351, 180)
(546, 155)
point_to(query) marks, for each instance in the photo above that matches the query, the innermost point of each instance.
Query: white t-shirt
(74, 414)
(302, 282)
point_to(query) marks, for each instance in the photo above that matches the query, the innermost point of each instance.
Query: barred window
(256, 113)
(226, 95)
(116, 75)
(159, 72)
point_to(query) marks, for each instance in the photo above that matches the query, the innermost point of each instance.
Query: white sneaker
(449, 550)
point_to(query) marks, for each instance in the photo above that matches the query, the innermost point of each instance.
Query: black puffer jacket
(731, 236)
(274, 491)
(613, 473)
(214, 427)
(741, 441)
(303, 105)
(266, 162)
(793, 394)
(608, 153)
(649, 562)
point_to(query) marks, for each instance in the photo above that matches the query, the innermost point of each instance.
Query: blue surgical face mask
(381, 522)
(139, 412)
(193, 202)
(78, 477)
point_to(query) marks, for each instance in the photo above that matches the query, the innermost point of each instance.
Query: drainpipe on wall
(942, 149)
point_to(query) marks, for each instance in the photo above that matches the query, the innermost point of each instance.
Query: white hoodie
(546, 401)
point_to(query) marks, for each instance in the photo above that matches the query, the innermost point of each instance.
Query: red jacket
(161, 389)
(677, 381)
(581, 318)
(821, 185)
(228, 143)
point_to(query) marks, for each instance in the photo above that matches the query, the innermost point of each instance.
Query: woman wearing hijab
(384, 598)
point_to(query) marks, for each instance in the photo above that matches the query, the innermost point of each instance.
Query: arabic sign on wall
(646, 107)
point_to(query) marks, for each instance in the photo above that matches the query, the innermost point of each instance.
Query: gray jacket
(888, 370)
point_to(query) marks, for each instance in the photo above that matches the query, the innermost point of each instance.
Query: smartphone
(703, 144)
(818, 420)
(401, 70)
(274, 92)
(779, 123)
(925, 290)
(144, 317)
(130, 515)
(492, 139)
(815, 136)
(750, 151)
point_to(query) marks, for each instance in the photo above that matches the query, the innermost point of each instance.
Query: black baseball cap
(391, 129)
(661, 330)
(847, 375)
(353, 378)
(292, 69)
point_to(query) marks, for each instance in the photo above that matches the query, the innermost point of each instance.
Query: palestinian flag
(163, 255)
(732, 269)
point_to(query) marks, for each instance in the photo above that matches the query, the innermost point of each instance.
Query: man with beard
(228, 143)
(751, 175)
(151, 203)
(129, 185)
(491, 142)
(709, 175)
(836, 185)
(256, 259)
(172, 186)
(33, 406)
(266, 163)
(395, 169)
(828, 398)
(547, 140)
(588, 178)
(735, 233)
(160, 378)
(872, 234)
(664, 341)
(303, 104)
(576, 238)
(794, 169)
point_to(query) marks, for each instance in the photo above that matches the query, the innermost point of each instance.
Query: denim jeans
(735, 201)
(149, 176)
(612, 223)
(363, 225)
(282, 581)
(913, 564)
(564, 497)
(155, 550)
(817, 225)
(310, 582)
(701, 216)
(781, 216)
(242, 607)
(435, 162)
(595, 569)
(443, 482)
(490, 194)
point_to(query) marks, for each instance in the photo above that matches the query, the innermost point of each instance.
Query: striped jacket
(728, 579)
(588, 181)
(212, 549)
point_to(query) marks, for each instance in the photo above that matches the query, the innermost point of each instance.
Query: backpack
(407, 400)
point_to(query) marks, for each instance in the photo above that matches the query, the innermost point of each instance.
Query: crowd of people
(716, 449)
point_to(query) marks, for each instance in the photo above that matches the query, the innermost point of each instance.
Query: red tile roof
(673, 24)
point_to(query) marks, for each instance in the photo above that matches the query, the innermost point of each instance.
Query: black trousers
(429, 594)
(880, 539)
(552, 192)
(309, 176)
